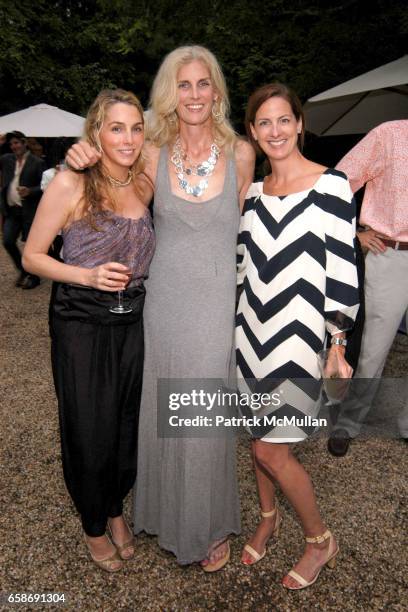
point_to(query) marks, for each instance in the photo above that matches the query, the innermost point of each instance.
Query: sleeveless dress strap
(231, 182)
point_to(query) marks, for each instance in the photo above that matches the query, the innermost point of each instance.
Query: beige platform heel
(110, 564)
(128, 545)
(217, 565)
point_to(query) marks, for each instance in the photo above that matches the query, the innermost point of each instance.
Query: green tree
(64, 51)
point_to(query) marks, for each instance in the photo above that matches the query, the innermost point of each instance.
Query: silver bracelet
(339, 341)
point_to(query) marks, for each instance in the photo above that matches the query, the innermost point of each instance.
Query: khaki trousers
(386, 301)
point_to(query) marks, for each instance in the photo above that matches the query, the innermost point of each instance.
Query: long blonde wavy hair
(162, 124)
(98, 194)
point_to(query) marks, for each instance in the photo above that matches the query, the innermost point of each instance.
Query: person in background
(20, 193)
(4, 145)
(379, 161)
(36, 148)
(58, 152)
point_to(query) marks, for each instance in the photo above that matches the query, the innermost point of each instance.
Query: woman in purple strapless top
(97, 349)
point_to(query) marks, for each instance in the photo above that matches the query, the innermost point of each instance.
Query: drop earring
(217, 113)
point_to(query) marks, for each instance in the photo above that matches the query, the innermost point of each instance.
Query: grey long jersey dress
(186, 489)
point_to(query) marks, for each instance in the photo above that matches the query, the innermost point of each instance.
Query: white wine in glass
(120, 308)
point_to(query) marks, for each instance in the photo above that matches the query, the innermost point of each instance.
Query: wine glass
(120, 308)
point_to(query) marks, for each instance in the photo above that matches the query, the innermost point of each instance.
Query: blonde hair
(162, 122)
(98, 193)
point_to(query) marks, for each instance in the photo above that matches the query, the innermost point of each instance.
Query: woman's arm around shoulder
(82, 155)
(245, 161)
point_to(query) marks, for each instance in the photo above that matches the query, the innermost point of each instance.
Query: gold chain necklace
(116, 183)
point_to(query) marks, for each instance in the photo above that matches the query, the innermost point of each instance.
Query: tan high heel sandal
(130, 544)
(254, 553)
(330, 562)
(106, 564)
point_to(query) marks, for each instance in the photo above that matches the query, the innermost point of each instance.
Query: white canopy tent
(43, 120)
(360, 104)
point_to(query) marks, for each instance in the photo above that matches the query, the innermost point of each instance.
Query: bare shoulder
(65, 189)
(59, 201)
(67, 179)
(316, 169)
(244, 152)
(245, 160)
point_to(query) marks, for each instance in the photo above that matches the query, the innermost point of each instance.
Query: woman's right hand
(111, 276)
(81, 155)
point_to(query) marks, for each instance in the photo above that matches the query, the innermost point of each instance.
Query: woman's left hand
(341, 371)
(337, 366)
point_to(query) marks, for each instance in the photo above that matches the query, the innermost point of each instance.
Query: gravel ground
(362, 496)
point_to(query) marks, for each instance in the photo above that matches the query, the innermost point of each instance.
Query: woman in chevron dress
(297, 268)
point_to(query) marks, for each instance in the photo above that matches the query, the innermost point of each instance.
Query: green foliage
(64, 51)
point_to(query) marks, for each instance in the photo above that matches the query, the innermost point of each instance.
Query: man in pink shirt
(380, 162)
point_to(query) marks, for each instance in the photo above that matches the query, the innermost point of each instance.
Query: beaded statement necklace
(183, 167)
(116, 183)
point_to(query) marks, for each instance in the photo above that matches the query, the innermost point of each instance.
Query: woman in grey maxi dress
(186, 490)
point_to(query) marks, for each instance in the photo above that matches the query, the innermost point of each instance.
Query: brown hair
(98, 194)
(261, 95)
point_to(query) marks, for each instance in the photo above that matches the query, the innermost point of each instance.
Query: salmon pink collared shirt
(380, 161)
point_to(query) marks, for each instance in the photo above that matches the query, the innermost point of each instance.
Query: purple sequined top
(119, 239)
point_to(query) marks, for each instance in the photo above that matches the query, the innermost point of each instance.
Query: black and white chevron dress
(296, 261)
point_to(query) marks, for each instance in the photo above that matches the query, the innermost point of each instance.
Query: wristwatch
(339, 341)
